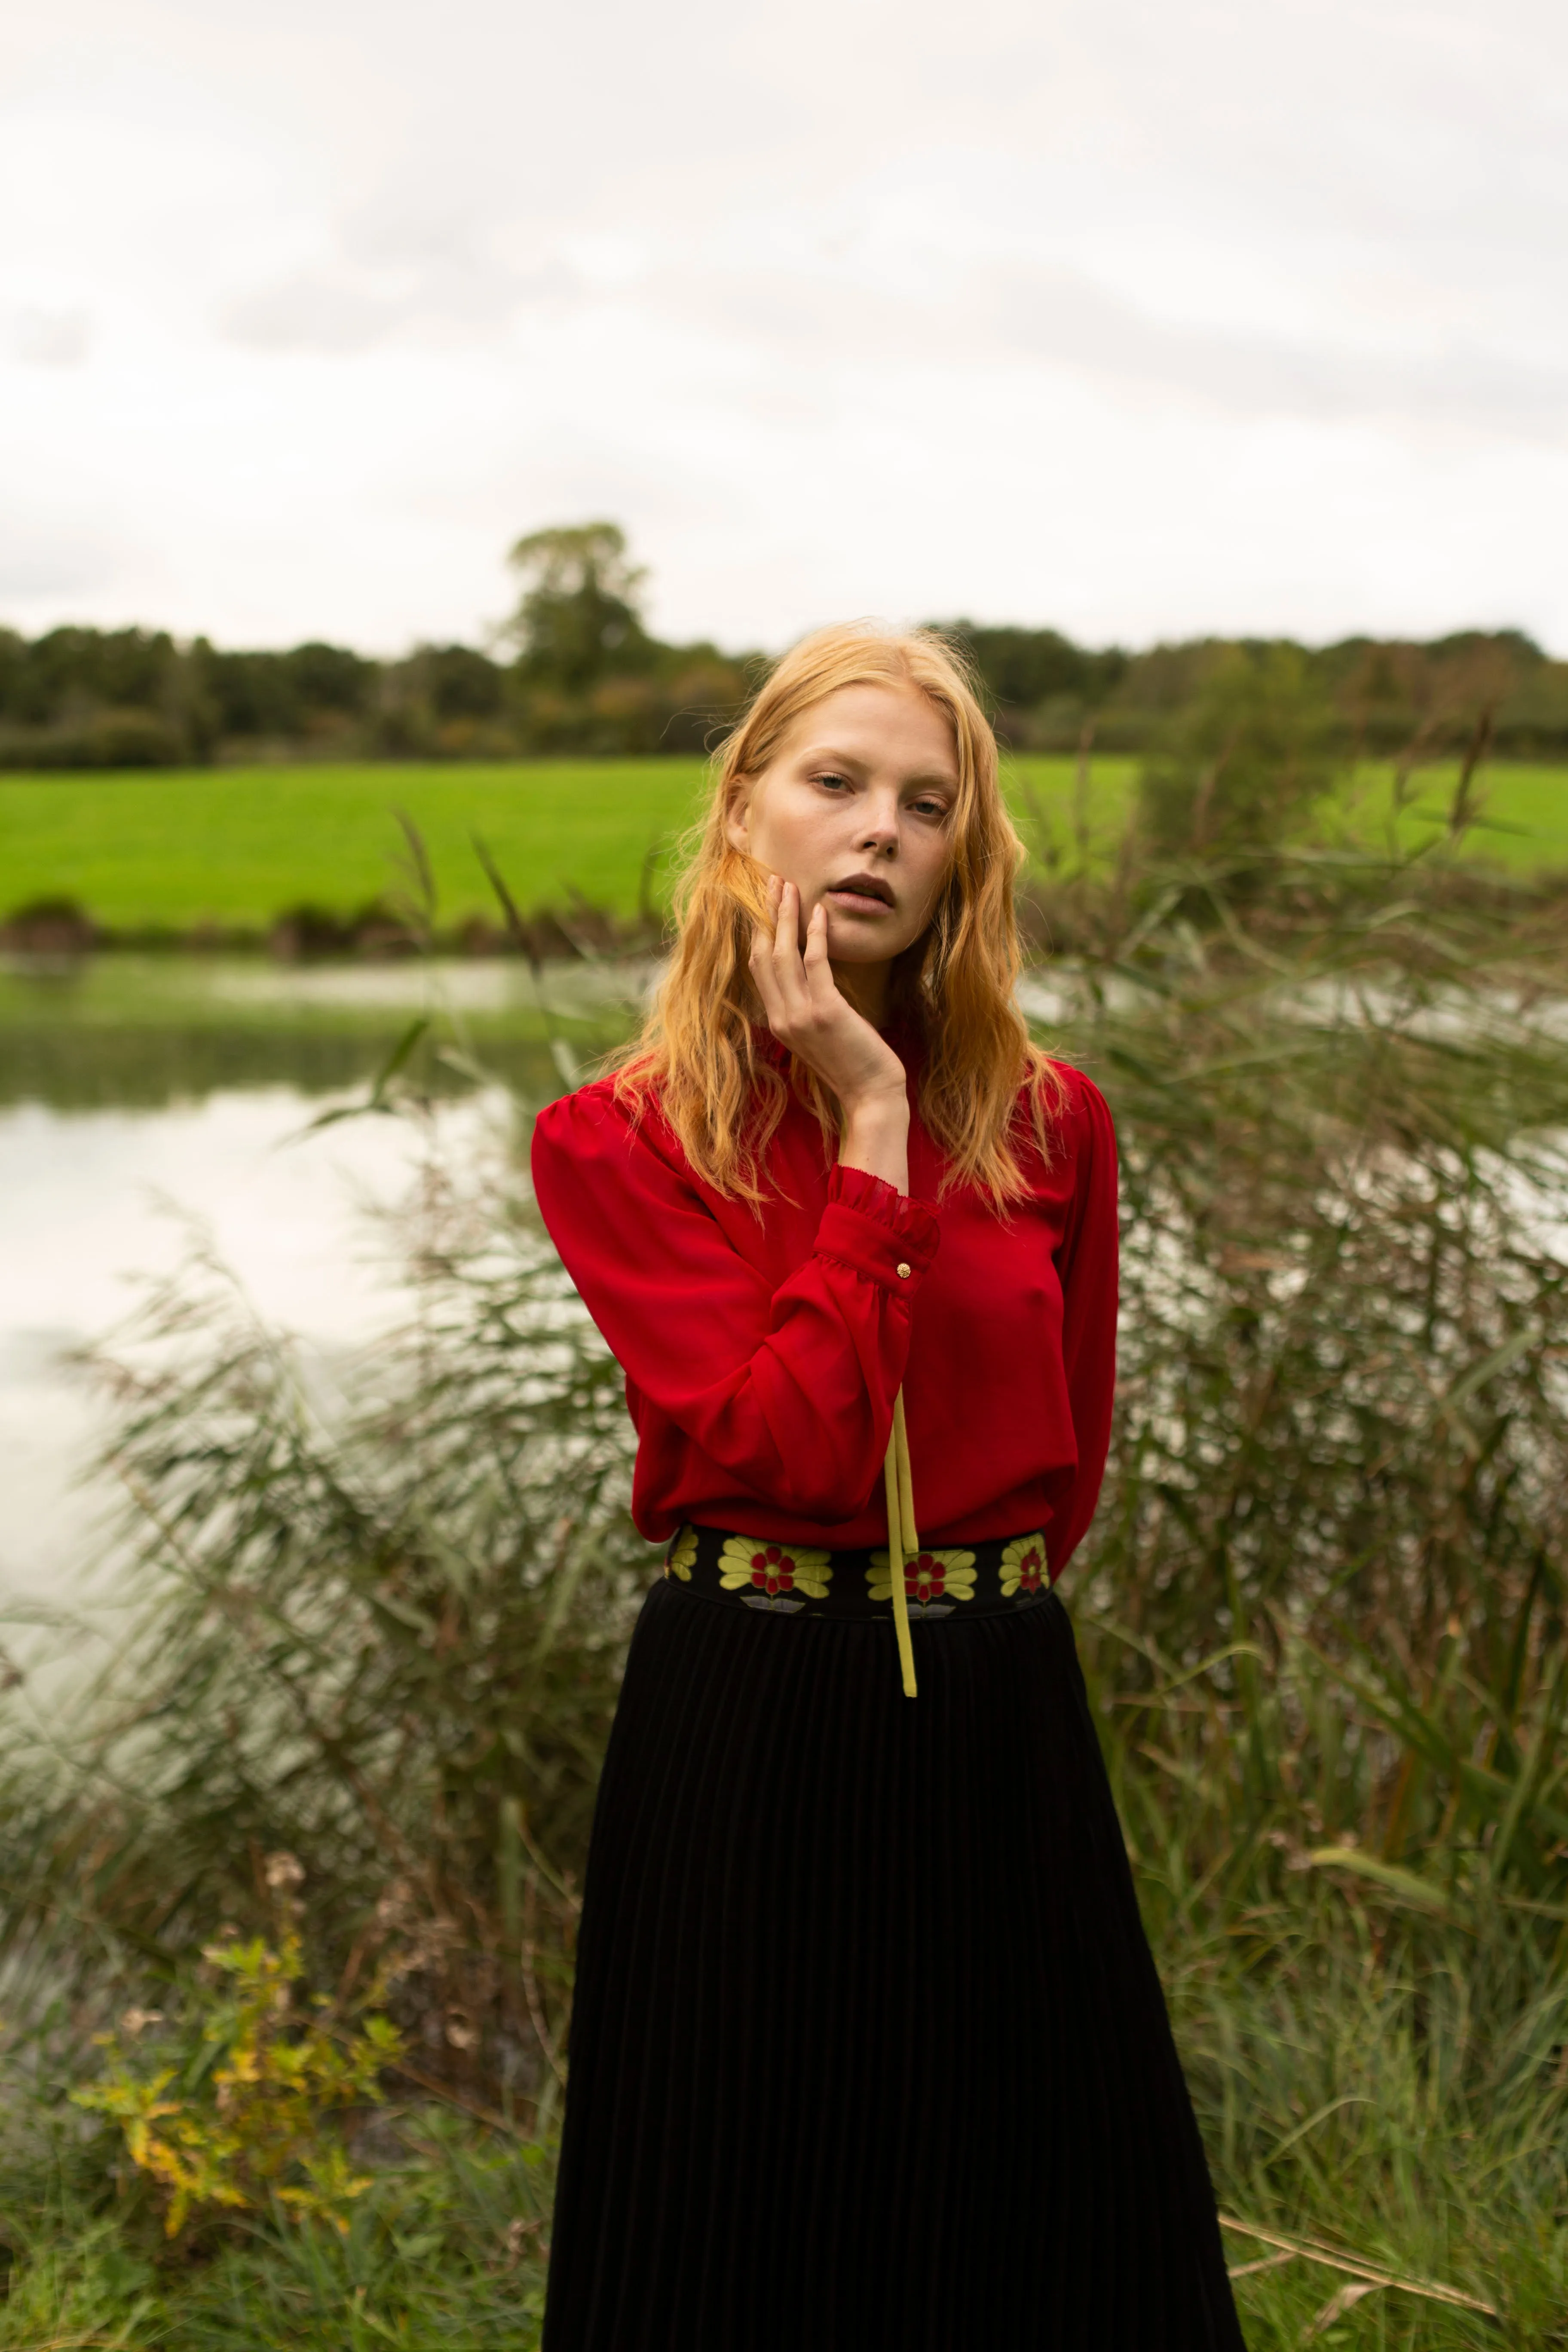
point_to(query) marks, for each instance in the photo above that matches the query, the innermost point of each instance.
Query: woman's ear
(738, 817)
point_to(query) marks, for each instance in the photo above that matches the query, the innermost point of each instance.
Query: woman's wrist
(877, 1136)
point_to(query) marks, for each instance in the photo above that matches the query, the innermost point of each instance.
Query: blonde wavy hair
(701, 1057)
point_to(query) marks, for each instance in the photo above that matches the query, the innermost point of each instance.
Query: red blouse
(762, 1354)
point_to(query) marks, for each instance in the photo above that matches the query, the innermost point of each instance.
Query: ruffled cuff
(872, 1226)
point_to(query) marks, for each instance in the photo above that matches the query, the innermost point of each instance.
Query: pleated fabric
(868, 2050)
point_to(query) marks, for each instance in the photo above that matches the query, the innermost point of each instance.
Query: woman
(867, 2050)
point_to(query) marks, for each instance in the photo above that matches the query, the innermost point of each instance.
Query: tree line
(575, 670)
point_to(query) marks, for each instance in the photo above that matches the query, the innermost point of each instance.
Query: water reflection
(95, 1203)
(150, 1029)
(140, 1093)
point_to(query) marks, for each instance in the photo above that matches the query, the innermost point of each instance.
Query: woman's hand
(806, 1012)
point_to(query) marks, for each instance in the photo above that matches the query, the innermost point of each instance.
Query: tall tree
(578, 619)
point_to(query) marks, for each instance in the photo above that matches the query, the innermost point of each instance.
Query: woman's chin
(861, 939)
(862, 951)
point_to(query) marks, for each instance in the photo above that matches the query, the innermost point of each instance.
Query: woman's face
(856, 809)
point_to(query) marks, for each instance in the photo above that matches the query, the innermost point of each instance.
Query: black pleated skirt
(868, 2053)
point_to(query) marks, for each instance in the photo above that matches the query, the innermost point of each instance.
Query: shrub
(238, 2111)
(1243, 761)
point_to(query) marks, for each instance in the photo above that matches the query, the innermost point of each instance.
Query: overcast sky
(1138, 320)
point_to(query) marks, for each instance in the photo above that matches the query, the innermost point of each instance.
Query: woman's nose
(879, 827)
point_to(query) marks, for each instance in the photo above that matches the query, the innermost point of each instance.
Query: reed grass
(1321, 1611)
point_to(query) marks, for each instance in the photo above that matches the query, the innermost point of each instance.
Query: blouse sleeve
(789, 1387)
(1087, 1266)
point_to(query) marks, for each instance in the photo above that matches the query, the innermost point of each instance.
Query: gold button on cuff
(903, 1274)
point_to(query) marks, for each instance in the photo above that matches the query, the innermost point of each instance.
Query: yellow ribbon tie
(902, 1541)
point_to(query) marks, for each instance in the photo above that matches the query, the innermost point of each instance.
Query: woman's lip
(858, 898)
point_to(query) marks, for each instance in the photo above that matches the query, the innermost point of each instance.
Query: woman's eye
(834, 782)
(929, 808)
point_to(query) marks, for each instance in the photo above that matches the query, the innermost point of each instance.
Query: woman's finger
(787, 967)
(785, 921)
(764, 926)
(764, 956)
(820, 984)
(762, 972)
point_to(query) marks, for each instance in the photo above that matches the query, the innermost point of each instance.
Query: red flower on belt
(772, 1567)
(928, 1576)
(1024, 1566)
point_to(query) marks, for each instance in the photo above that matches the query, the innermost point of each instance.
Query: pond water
(145, 1097)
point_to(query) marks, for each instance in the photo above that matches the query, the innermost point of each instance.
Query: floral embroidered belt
(792, 1580)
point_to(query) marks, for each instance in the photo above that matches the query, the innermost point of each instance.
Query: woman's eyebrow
(820, 754)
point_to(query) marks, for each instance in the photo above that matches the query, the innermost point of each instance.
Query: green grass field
(233, 847)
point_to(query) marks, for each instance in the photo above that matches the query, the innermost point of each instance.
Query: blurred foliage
(1246, 760)
(575, 670)
(1040, 684)
(1342, 1457)
(1416, 703)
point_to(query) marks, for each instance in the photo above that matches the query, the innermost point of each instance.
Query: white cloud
(53, 558)
(1134, 317)
(49, 338)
